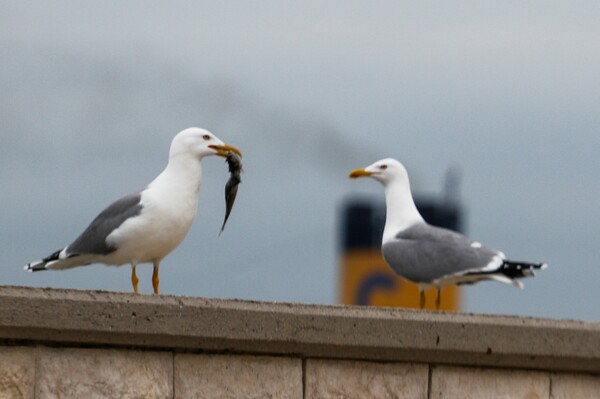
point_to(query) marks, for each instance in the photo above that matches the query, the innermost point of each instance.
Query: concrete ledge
(58, 317)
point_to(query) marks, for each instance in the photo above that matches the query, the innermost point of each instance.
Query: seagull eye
(206, 137)
(382, 167)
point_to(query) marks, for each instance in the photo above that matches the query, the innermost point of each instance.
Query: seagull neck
(183, 172)
(401, 211)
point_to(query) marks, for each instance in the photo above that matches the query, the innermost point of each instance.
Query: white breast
(167, 215)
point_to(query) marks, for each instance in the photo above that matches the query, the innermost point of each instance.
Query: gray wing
(424, 253)
(93, 239)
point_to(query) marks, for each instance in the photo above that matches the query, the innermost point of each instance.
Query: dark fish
(235, 170)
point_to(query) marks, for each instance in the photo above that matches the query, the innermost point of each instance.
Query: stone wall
(84, 344)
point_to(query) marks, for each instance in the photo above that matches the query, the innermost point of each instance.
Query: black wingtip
(513, 269)
(53, 257)
(41, 264)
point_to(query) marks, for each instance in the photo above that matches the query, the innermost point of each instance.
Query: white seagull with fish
(430, 255)
(145, 226)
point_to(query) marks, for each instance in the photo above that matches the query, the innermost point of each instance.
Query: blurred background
(508, 93)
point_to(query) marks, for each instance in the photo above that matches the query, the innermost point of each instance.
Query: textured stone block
(358, 379)
(63, 317)
(17, 372)
(103, 373)
(466, 383)
(575, 386)
(224, 376)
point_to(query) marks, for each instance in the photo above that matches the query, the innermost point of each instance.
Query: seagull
(430, 255)
(146, 225)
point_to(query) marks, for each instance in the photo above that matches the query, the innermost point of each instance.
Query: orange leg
(155, 280)
(438, 298)
(134, 278)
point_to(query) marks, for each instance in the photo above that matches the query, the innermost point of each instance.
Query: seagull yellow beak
(223, 150)
(359, 173)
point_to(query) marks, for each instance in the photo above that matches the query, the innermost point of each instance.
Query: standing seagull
(145, 226)
(429, 255)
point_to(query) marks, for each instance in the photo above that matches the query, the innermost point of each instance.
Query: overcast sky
(91, 94)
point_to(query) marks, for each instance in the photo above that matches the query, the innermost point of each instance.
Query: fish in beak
(234, 162)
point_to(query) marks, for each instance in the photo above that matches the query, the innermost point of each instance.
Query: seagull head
(199, 143)
(385, 171)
